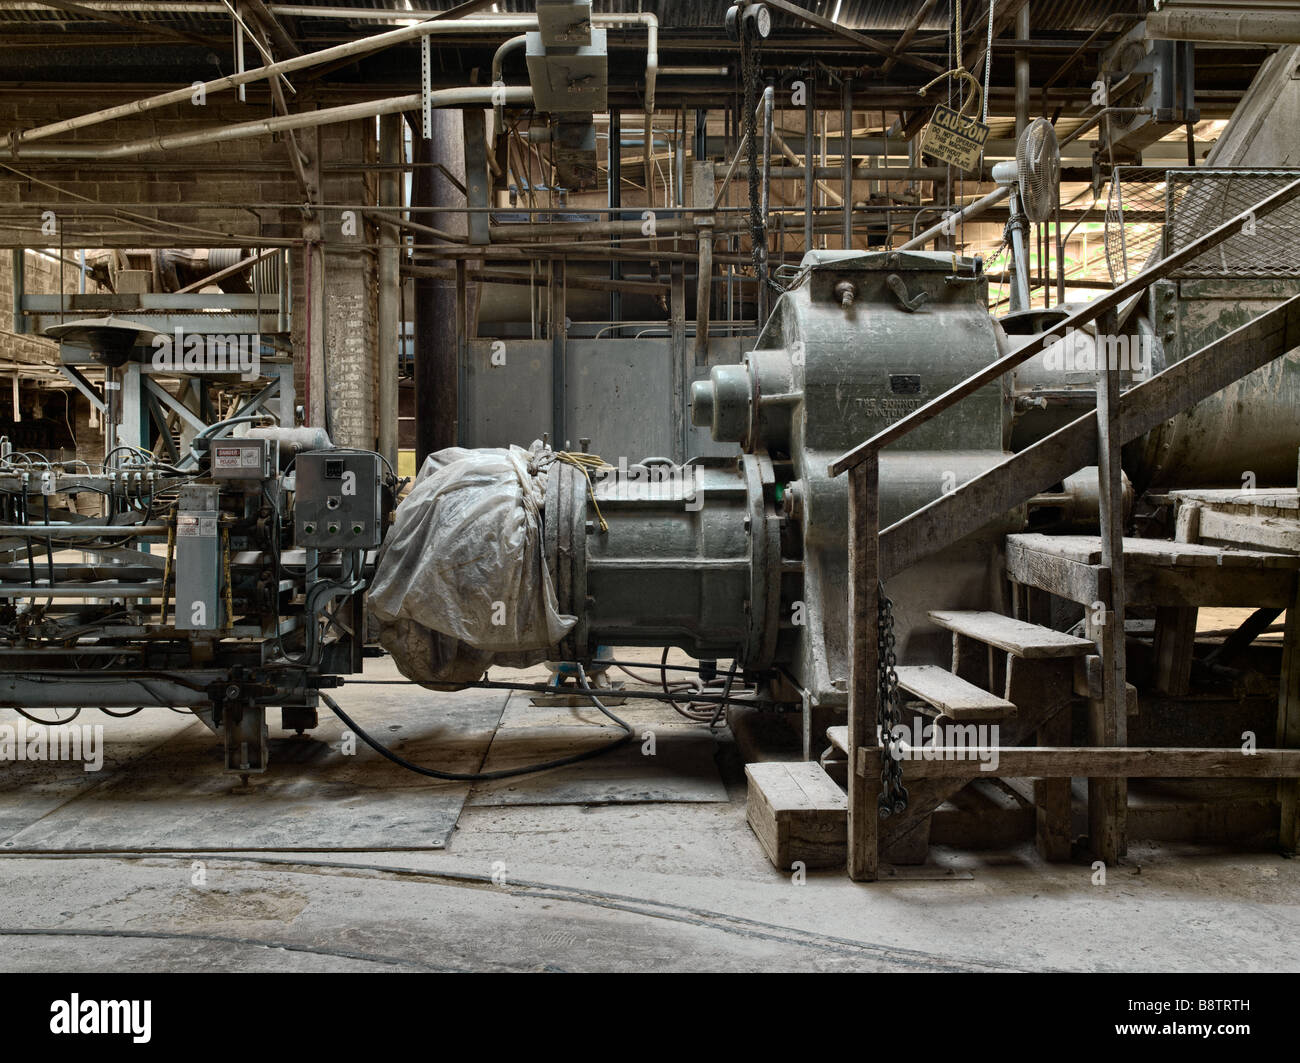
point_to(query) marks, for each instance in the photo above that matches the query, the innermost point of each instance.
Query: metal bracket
(909, 303)
(426, 88)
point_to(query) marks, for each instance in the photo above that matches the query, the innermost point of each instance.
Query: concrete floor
(644, 887)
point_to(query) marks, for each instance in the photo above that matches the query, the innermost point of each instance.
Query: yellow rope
(167, 568)
(586, 464)
(960, 71)
(225, 550)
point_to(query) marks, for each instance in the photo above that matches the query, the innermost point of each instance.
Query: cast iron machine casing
(747, 557)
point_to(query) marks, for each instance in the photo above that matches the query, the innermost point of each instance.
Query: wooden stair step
(1014, 636)
(839, 738)
(952, 695)
(1086, 550)
(798, 813)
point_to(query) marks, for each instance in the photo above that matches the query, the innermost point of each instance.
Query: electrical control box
(338, 500)
(244, 459)
(199, 599)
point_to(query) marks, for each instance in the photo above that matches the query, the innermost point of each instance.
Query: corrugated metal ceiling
(884, 16)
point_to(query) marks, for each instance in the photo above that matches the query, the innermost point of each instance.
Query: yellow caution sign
(954, 138)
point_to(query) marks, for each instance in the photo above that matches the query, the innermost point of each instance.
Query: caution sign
(955, 139)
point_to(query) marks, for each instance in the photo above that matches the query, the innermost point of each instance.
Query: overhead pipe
(498, 65)
(1250, 23)
(966, 213)
(651, 24)
(352, 48)
(470, 96)
(13, 141)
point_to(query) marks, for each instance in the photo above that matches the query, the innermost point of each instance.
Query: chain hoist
(889, 715)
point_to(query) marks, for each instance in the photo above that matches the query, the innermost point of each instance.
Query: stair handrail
(863, 464)
(1083, 316)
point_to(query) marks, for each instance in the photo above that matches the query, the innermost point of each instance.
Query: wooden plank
(1014, 636)
(1243, 581)
(1175, 639)
(1089, 679)
(1071, 447)
(952, 695)
(1267, 533)
(797, 813)
(1108, 717)
(1127, 762)
(1052, 832)
(839, 738)
(970, 660)
(1218, 587)
(1087, 550)
(1074, 580)
(925, 795)
(1279, 501)
(864, 655)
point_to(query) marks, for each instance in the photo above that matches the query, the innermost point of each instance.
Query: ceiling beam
(136, 25)
(870, 43)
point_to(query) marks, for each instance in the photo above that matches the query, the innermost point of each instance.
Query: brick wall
(232, 193)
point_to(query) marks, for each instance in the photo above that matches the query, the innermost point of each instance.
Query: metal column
(436, 341)
(390, 196)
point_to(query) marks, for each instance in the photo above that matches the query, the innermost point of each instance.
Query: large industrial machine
(225, 590)
(239, 585)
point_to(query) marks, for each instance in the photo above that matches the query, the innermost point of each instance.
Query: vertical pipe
(1022, 70)
(769, 98)
(678, 373)
(559, 338)
(314, 324)
(435, 299)
(848, 163)
(702, 193)
(390, 196)
(809, 162)
(462, 351)
(615, 200)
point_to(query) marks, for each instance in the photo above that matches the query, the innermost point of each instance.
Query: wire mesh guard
(1145, 203)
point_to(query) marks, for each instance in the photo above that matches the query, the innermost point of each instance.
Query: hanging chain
(889, 714)
(988, 62)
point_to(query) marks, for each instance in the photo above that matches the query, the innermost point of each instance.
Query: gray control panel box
(243, 459)
(200, 605)
(338, 504)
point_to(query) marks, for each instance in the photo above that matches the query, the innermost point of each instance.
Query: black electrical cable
(46, 723)
(120, 715)
(488, 776)
(541, 688)
(690, 711)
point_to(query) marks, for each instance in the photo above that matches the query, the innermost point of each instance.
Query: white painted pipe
(327, 55)
(352, 48)
(479, 95)
(945, 227)
(651, 24)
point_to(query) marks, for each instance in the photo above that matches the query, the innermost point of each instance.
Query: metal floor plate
(171, 794)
